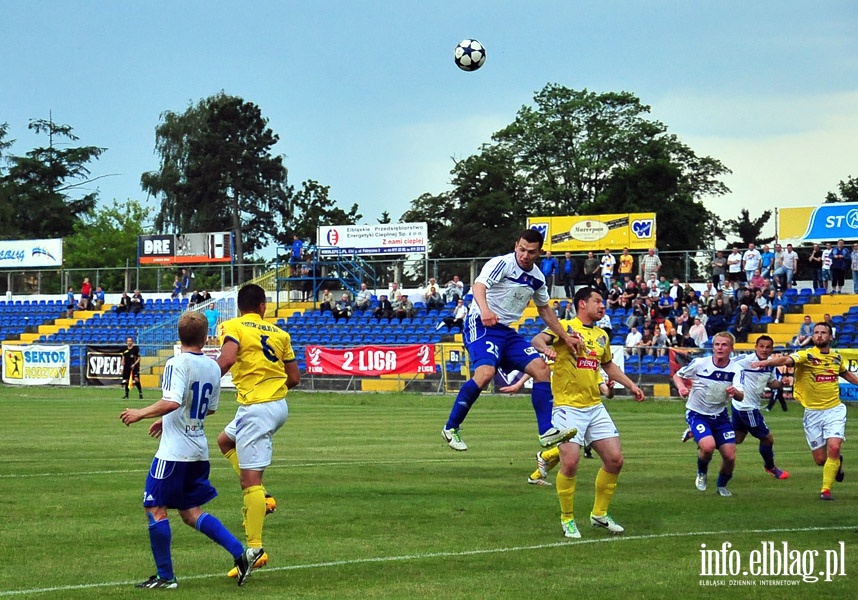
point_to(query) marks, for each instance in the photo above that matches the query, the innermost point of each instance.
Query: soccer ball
(469, 55)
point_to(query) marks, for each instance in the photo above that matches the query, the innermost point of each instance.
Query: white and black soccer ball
(469, 55)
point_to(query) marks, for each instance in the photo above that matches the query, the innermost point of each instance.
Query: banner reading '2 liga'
(371, 360)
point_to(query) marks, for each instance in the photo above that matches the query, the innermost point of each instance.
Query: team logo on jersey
(826, 378)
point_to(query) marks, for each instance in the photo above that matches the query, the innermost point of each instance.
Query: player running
(714, 381)
(747, 417)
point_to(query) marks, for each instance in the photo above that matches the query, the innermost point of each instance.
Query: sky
(366, 99)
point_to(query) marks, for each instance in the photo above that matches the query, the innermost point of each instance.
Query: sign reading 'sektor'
(371, 360)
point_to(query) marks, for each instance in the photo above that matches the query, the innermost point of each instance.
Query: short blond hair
(725, 334)
(193, 329)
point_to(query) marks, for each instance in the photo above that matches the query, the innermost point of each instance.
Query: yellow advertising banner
(635, 231)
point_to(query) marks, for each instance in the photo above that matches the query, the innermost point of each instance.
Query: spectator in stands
(625, 265)
(854, 264)
(196, 298)
(826, 318)
(98, 298)
(697, 333)
(568, 271)
(649, 263)
(758, 282)
(767, 262)
(433, 300)
(607, 264)
(364, 298)
(569, 311)
(555, 306)
(71, 303)
(395, 292)
(614, 296)
(384, 310)
(455, 289)
(676, 291)
(342, 309)
(743, 324)
(635, 317)
(295, 257)
(549, 268)
(86, 290)
(186, 282)
(212, 315)
(840, 261)
(780, 305)
(814, 262)
(136, 302)
(751, 261)
(456, 318)
(826, 266)
(326, 302)
(734, 265)
(600, 286)
(633, 338)
(403, 308)
(591, 269)
(719, 269)
(177, 288)
(761, 304)
(308, 273)
(205, 296)
(805, 333)
(124, 303)
(789, 267)
(83, 303)
(717, 322)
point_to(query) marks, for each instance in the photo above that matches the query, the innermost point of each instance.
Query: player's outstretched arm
(158, 409)
(615, 373)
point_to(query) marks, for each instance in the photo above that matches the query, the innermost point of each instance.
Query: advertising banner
(392, 238)
(185, 248)
(824, 223)
(31, 254)
(635, 231)
(371, 360)
(104, 365)
(36, 365)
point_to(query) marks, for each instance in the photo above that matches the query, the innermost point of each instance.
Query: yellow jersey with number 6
(263, 349)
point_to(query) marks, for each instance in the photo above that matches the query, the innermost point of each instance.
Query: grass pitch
(372, 504)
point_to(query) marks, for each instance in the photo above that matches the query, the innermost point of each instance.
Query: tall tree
(218, 173)
(39, 191)
(847, 191)
(747, 229)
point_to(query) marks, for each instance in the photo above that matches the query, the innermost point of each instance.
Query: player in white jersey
(746, 412)
(179, 475)
(715, 380)
(504, 287)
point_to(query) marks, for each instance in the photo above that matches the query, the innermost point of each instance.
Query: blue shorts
(179, 485)
(750, 421)
(498, 346)
(718, 426)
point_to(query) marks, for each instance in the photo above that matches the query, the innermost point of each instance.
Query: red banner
(371, 360)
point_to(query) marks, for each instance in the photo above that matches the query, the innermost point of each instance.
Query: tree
(384, 219)
(575, 152)
(304, 211)
(217, 172)
(37, 191)
(848, 191)
(749, 230)
(108, 237)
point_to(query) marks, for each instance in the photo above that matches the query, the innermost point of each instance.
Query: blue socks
(465, 399)
(723, 479)
(543, 403)
(212, 528)
(703, 466)
(768, 454)
(160, 538)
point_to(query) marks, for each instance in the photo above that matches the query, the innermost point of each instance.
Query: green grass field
(372, 504)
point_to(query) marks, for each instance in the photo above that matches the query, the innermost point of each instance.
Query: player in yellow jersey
(264, 368)
(578, 404)
(816, 387)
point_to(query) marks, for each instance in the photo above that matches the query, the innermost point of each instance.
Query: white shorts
(820, 425)
(593, 423)
(252, 430)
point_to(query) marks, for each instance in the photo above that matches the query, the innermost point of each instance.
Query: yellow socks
(232, 457)
(566, 495)
(829, 471)
(606, 485)
(254, 515)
